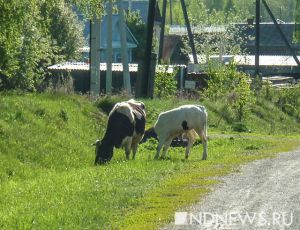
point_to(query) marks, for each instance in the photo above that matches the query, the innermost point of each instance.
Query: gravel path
(265, 194)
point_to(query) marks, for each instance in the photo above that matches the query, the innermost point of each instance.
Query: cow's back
(191, 115)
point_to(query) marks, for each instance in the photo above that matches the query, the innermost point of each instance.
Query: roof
(157, 16)
(116, 35)
(182, 30)
(170, 42)
(116, 67)
(249, 60)
(83, 66)
(269, 35)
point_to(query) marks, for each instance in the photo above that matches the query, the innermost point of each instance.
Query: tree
(33, 35)
(138, 28)
(229, 6)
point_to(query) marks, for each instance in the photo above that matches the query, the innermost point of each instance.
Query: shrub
(106, 103)
(63, 115)
(33, 36)
(289, 101)
(240, 127)
(165, 84)
(227, 83)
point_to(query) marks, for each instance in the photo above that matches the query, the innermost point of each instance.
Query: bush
(240, 127)
(227, 83)
(33, 36)
(165, 84)
(106, 103)
(289, 101)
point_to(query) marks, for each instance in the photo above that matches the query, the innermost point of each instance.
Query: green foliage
(107, 102)
(138, 29)
(296, 37)
(289, 101)
(90, 8)
(229, 6)
(63, 114)
(165, 84)
(233, 86)
(33, 35)
(222, 11)
(239, 127)
(257, 84)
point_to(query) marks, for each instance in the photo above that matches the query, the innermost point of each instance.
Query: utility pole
(281, 33)
(95, 28)
(145, 80)
(171, 14)
(124, 50)
(257, 36)
(109, 49)
(162, 32)
(188, 27)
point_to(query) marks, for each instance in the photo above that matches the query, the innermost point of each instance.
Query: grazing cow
(125, 128)
(190, 120)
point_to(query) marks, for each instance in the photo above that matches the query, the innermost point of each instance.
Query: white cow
(187, 119)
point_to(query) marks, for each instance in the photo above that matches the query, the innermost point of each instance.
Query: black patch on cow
(118, 127)
(184, 125)
(104, 152)
(139, 124)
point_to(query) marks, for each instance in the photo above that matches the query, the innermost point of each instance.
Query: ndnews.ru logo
(234, 218)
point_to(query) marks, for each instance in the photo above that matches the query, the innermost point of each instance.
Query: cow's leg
(203, 137)
(127, 152)
(166, 146)
(159, 146)
(191, 137)
(135, 143)
(188, 148)
(127, 146)
(134, 150)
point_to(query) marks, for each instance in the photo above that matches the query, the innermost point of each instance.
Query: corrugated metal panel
(116, 67)
(82, 66)
(249, 60)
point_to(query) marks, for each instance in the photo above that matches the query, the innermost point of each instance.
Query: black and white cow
(190, 120)
(125, 128)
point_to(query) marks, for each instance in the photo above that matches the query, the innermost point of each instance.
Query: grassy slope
(47, 177)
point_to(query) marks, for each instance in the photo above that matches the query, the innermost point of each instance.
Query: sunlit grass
(48, 180)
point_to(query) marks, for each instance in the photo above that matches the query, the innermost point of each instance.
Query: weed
(40, 112)
(63, 115)
(240, 127)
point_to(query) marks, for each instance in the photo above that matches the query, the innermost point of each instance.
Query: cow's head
(103, 151)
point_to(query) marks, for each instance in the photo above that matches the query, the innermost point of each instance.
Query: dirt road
(265, 194)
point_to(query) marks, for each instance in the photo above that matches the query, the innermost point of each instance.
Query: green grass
(48, 180)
